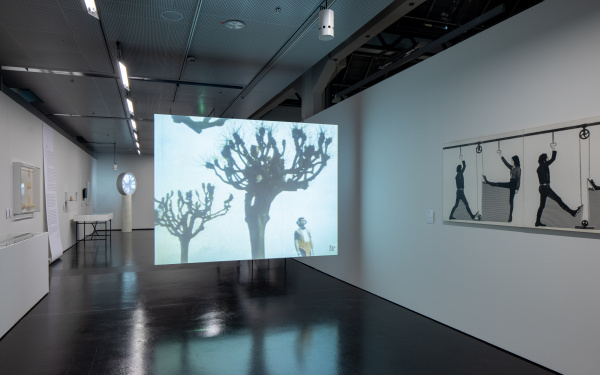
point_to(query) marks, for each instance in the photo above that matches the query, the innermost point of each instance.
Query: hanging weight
(479, 149)
(584, 133)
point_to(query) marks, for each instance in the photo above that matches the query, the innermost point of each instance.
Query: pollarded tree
(190, 215)
(260, 170)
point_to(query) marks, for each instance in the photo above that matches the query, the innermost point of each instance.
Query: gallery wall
(106, 198)
(21, 141)
(73, 172)
(532, 292)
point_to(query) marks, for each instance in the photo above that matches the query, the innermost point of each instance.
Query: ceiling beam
(428, 48)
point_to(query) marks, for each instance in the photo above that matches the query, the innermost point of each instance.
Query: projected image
(228, 189)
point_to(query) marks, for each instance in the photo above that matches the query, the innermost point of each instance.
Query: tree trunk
(257, 217)
(185, 244)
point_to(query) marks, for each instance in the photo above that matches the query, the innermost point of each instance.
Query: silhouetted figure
(302, 239)
(513, 184)
(460, 192)
(594, 186)
(543, 172)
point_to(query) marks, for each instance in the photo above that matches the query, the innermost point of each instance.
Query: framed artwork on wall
(26, 188)
(544, 177)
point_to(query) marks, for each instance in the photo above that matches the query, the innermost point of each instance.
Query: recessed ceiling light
(171, 15)
(234, 24)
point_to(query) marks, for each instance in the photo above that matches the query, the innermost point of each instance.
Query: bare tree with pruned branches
(260, 170)
(187, 219)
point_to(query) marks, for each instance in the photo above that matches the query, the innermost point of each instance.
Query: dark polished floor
(114, 312)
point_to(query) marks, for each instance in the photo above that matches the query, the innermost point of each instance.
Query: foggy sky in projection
(229, 189)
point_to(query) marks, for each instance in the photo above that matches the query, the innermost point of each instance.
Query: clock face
(126, 183)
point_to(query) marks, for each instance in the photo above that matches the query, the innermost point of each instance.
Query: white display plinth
(126, 214)
(23, 275)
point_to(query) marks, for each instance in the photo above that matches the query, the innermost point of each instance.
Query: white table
(94, 220)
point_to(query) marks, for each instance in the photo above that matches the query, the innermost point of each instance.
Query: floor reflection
(114, 312)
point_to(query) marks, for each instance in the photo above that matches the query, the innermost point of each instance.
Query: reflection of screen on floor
(228, 189)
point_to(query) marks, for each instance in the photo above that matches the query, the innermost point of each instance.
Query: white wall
(106, 198)
(533, 293)
(21, 140)
(73, 171)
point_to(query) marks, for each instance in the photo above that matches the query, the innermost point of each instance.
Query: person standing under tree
(543, 172)
(513, 184)
(302, 239)
(460, 192)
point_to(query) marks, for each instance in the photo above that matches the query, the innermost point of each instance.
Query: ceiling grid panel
(151, 45)
(87, 34)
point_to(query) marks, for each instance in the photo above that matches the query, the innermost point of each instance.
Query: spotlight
(325, 23)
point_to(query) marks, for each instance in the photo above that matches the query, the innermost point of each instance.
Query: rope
(477, 178)
(580, 183)
(482, 164)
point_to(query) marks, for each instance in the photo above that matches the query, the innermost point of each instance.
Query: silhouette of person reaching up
(460, 192)
(543, 172)
(513, 184)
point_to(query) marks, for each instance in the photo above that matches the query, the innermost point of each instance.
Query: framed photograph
(26, 189)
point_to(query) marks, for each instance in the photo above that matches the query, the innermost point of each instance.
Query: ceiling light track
(114, 76)
(306, 26)
(97, 117)
(431, 47)
(188, 45)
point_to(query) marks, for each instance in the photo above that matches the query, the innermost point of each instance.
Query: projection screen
(229, 189)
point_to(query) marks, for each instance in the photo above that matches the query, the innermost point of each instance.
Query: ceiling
(183, 60)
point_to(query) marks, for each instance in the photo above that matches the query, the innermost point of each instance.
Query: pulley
(553, 144)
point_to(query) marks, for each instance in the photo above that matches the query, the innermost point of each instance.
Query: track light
(130, 106)
(138, 151)
(124, 77)
(90, 6)
(133, 125)
(325, 23)
(135, 136)
(137, 145)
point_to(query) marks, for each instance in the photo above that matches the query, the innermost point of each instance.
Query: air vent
(171, 15)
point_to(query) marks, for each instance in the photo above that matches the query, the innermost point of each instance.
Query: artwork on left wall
(538, 178)
(26, 188)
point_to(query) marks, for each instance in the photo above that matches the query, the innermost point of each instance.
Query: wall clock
(126, 183)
